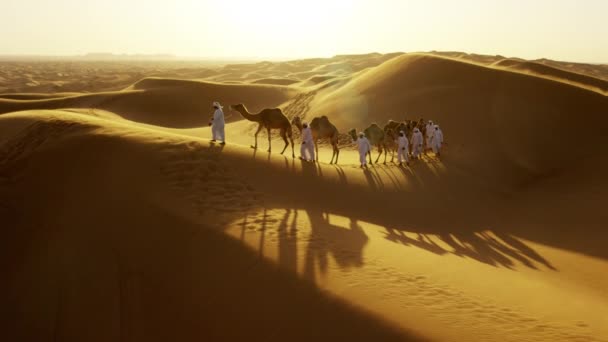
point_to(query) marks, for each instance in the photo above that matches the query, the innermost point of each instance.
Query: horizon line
(109, 56)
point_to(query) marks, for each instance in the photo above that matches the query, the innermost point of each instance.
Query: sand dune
(36, 96)
(275, 81)
(147, 256)
(124, 222)
(121, 251)
(555, 73)
(481, 107)
(593, 70)
(165, 102)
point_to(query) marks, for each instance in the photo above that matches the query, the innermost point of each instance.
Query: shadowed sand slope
(121, 241)
(96, 255)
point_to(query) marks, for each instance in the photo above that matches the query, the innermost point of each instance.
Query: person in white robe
(307, 150)
(217, 124)
(402, 149)
(364, 148)
(437, 140)
(416, 142)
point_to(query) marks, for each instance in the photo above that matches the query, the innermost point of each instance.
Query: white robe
(308, 145)
(437, 141)
(417, 140)
(402, 149)
(217, 125)
(364, 147)
(430, 128)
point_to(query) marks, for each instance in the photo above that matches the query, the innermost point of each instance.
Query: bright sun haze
(559, 29)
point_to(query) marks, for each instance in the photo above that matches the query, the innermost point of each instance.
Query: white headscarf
(217, 104)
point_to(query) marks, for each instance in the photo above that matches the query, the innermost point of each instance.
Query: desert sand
(122, 221)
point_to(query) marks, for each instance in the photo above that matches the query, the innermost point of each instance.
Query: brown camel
(376, 136)
(422, 126)
(321, 128)
(269, 118)
(391, 131)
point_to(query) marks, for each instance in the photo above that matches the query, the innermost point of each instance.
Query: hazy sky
(558, 29)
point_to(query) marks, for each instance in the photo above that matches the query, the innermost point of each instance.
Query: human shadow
(344, 245)
(287, 232)
(216, 147)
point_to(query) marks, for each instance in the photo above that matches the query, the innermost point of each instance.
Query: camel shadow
(310, 242)
(341, 175)
(499, 251)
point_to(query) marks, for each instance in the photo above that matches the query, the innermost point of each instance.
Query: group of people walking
(418, 143)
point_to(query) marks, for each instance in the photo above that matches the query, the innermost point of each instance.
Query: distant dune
(555, 73)
(165, 102)
(275, 81)
(515, 120)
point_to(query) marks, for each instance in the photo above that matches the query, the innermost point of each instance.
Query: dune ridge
(544, 70)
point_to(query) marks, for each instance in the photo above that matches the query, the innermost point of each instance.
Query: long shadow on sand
(482, 247)
(345, 245)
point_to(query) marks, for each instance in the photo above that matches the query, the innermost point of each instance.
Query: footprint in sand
(198, 175)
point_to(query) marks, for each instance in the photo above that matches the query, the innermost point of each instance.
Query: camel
(269, 118)
(376, 136)
(321, 128)
(422, 126)
(391, 130)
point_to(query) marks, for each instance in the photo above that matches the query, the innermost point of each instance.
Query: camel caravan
(408, 139)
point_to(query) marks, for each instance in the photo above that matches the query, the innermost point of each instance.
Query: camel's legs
(379, 154)
(334, 154)
(334, 144)
(317, 151)
(284, 136)
(269, 144)
(293, 152)
(385, 152)
(337, 152)
(256, 136)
